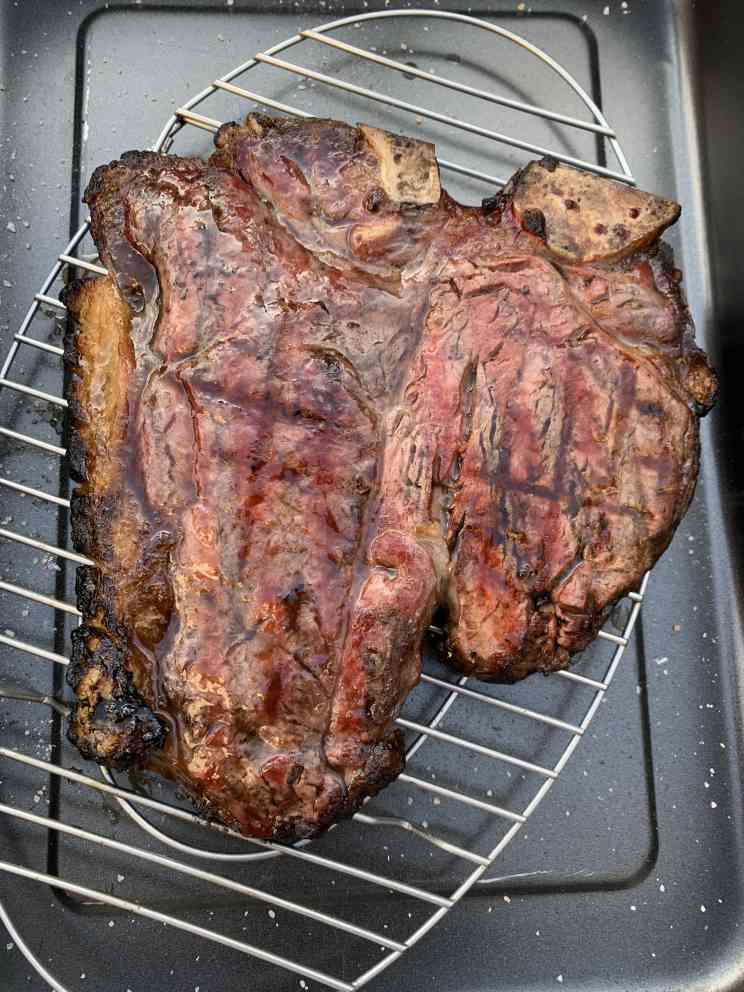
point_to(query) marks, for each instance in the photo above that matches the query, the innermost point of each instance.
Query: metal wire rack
(466, 856)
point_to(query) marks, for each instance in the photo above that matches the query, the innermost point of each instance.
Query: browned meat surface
(315, 400)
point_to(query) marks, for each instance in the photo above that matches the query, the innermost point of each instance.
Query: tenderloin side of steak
(315, 400)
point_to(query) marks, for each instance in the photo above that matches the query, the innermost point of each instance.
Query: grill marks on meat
(577, 469)
(315, 400)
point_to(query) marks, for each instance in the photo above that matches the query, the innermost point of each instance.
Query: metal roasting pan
(629, 875)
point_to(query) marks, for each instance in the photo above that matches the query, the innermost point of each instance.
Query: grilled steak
(314, 401)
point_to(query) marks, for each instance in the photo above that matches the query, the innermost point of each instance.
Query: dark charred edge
(110, 722)
(69, 295)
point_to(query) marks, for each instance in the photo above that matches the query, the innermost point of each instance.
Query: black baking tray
(630, 875)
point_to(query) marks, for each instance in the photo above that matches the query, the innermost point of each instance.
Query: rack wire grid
(456, 854)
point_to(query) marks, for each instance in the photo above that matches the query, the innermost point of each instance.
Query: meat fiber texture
(316, 400)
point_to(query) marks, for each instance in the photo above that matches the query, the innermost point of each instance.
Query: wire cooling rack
(465, 850)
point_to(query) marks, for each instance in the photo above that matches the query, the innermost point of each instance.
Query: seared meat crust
(316, 399)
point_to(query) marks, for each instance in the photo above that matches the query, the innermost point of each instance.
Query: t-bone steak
(315, 401)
